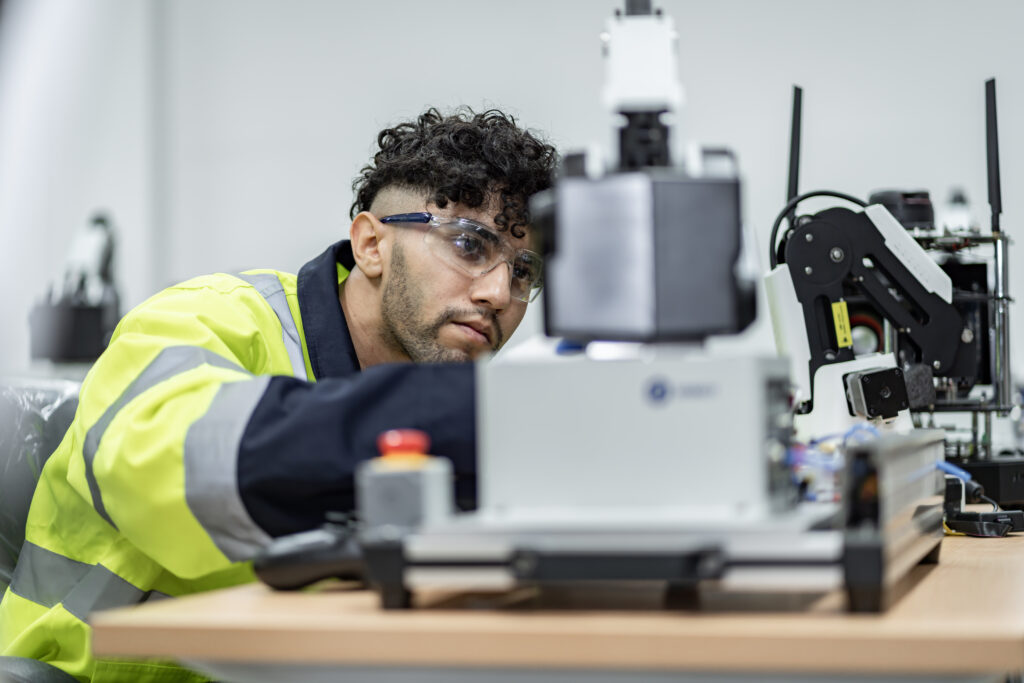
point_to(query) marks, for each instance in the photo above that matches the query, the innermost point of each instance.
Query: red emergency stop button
(403, 442)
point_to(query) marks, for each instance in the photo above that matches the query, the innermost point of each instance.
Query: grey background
(224, 134)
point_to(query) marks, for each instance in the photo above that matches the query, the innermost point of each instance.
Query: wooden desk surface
(964, 615)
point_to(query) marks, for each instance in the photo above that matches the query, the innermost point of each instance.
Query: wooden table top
(964, 615)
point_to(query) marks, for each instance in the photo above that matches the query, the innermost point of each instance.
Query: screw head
(808, 270)
(836, 254)
(936, 364)
(967, 336)
(809, 237)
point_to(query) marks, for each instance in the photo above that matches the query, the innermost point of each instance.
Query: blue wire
(813, 458)
(822, 439)
(950, 468)
(859, 427)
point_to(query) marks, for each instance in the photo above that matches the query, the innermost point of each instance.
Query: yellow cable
(950, 532)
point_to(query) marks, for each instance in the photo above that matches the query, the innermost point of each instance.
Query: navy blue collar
(331, 353)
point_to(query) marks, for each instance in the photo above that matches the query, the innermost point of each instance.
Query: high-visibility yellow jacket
(227, 410)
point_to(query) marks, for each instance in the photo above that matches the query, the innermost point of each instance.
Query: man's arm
(304, 440)
(198, 457)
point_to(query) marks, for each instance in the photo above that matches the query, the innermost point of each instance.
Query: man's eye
(526, 271)
(469, 247)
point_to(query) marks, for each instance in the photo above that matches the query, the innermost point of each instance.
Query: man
(231, 409)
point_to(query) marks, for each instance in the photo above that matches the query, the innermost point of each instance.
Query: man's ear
(366, 234)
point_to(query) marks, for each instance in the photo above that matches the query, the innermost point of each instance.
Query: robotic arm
(75, 320)
(841, 254)
(945, 306)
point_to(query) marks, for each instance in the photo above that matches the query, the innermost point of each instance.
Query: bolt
(808, 270)
(809, 237)
(829, 355)
(967, 336)
(836, 254)
(936, 364)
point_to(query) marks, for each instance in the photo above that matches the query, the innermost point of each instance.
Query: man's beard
(401, 306)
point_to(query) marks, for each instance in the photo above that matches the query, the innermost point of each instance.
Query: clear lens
(472, 249)
(475, 250)
(527, 269)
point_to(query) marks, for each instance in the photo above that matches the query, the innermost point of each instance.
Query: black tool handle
(295, 561)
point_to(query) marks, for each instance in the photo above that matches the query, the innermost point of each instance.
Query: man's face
(434, 312)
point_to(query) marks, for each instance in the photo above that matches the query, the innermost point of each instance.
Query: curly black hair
(464, 158)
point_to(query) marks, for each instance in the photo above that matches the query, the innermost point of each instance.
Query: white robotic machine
(653, 461)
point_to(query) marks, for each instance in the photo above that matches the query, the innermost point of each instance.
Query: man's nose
(493, 288)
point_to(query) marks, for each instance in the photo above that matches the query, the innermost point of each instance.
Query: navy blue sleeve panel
(300, 449)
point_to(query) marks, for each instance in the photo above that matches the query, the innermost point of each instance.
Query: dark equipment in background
(980, 303)
(73, 324)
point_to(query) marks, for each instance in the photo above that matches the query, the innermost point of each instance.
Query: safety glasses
(476, 250)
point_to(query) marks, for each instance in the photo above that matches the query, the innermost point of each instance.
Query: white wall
(265, 110)
(275, 105)
(75, 136)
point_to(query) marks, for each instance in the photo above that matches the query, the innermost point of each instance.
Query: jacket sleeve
(197, 448)
(300, 449)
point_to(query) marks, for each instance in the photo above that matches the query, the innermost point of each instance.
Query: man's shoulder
(231, 283)
(219, 297)
(224, 312)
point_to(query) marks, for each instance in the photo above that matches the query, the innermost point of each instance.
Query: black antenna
(638, 7)
(995, 197)
(794, 151)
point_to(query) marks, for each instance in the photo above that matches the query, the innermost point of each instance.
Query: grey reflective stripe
(172, 361)
(211, 470)
(48, 578)
(44, 577)
(270, 288)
